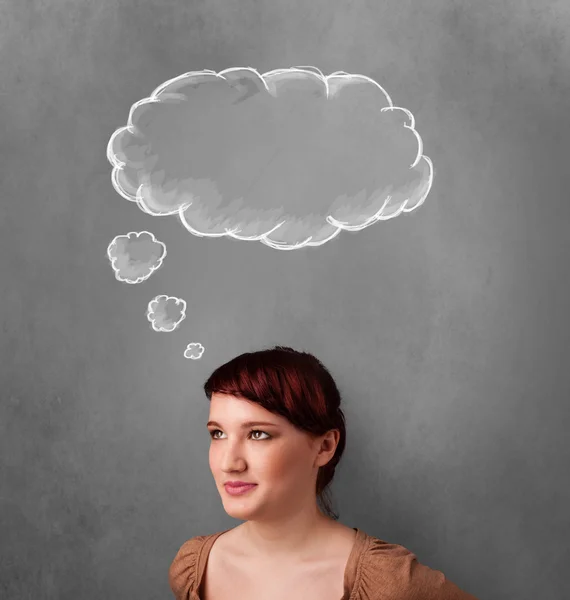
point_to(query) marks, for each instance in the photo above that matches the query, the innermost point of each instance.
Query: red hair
(295, 385)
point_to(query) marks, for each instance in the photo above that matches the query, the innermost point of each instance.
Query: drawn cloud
(165, 313)
(290, 157)
(135, 256)
(194, 351)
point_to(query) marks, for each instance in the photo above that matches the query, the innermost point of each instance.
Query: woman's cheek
(272, 462)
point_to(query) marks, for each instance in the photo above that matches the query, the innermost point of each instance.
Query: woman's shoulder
(389, 569)
(183, 573)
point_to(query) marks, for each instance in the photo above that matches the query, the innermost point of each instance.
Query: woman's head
(292, 461)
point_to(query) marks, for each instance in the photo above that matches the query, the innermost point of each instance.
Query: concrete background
(446, 329)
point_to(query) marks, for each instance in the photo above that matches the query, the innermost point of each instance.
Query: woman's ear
(328, 444)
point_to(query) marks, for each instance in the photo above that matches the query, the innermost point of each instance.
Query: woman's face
(276, 456)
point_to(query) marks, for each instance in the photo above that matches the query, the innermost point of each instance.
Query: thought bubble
(289, 158)
(165, 313)
(135, 256)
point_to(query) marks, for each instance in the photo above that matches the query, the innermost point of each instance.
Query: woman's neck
(292, 538)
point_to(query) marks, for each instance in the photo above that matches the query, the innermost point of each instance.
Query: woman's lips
(236, 490)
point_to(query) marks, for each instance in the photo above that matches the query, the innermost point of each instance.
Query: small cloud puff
(194, 351)
(135, 256)
(165, 313)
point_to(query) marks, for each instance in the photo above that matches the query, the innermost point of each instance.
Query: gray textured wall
(446, 329)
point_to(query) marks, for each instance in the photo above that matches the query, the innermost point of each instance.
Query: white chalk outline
(201, 350)
(114, 259)
(155, 97)
(156, 300)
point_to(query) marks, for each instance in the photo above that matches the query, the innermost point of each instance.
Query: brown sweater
(376, 570)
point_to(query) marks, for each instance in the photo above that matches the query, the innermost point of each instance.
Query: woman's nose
(233, 458)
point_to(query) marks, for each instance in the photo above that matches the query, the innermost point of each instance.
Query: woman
(277, 434)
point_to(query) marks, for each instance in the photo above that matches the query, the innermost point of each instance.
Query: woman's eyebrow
(246, 425)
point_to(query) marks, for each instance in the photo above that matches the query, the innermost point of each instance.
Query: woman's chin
(239, 511)
(239, 506)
